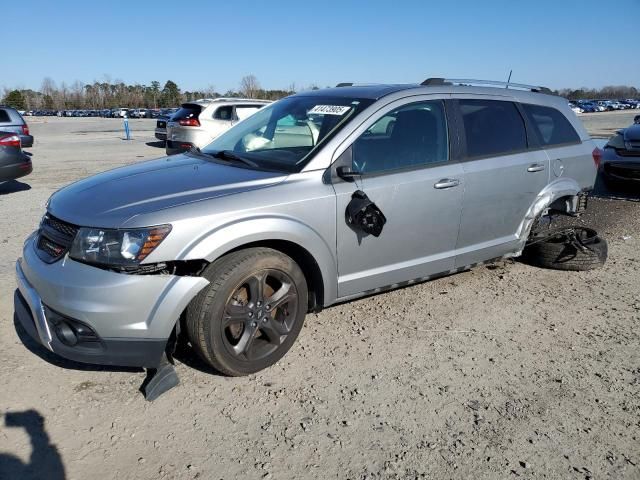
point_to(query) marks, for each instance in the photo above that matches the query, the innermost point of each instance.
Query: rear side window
(492, 127)
(244, 111)
(550, 125)
(223, 113)
(187, 111)
(4, 116)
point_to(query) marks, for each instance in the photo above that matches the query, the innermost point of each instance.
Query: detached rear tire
(250, 314)
(558, 254)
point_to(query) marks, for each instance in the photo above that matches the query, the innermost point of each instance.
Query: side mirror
(347, 173)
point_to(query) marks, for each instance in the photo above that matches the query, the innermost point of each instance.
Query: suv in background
(197, 123)
(318, 198)
(12, 121)
(161, 123)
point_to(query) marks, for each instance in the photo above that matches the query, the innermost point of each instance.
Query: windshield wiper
(230, 156)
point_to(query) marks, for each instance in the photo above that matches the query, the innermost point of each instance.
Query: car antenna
(509, 79)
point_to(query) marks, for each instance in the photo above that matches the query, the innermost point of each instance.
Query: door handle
(446, 183)
(535, 167)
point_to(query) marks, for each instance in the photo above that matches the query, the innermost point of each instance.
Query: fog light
(66, 334)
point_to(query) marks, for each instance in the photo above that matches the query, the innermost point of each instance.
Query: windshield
(286, 134)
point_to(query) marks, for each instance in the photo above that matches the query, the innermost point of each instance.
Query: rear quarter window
(4, 116)
(550, 125)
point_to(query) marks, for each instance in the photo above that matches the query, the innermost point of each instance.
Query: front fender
(224, 238)
(561, 187)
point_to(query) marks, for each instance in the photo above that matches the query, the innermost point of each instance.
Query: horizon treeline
(106, 94)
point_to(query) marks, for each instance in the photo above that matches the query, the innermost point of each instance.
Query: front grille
(63, 227)
(161, 124)
(54, 238)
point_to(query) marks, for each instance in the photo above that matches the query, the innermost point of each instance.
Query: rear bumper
(26, 141)
(173, 147)
(16, 170)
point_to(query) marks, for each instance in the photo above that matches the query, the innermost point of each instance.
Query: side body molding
(226, 237)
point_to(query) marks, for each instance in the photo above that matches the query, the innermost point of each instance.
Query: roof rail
(344, 84)
(463, 81)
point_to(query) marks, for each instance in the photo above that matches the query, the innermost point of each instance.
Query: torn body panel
(562, 195)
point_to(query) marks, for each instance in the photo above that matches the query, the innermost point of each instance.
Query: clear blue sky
(558, 43)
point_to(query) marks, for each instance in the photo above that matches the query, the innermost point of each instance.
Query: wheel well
(307, 264)
(568, 205)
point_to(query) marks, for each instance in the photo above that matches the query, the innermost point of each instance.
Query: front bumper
(132, 316)
(161, 134)
(622, 171)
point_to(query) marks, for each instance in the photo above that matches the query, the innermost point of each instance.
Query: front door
(403, 157)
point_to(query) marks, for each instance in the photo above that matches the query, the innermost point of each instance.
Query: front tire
(250, 314)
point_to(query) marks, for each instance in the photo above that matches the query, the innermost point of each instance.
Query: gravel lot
(503, 371)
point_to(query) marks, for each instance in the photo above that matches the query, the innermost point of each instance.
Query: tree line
(611, 92)
(107, 94)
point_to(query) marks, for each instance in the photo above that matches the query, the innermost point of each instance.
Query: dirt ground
(503, 371)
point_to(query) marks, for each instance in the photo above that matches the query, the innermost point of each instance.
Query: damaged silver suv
(318, 198)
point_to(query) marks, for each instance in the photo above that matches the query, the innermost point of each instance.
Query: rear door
(407, 171)
(502, 175)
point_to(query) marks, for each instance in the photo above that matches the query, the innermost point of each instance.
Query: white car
(197, 123)
(120, 112)
(575, 108)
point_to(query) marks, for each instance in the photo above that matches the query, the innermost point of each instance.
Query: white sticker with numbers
(329, 110)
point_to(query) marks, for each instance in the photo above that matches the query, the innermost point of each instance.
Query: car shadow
(58, 361)
(45, 460)
(158, 144)
(186, 355)
(13, 186)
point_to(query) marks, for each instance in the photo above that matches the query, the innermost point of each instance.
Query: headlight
(116, 247)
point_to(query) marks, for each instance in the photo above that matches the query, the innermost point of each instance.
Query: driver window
(411, 136)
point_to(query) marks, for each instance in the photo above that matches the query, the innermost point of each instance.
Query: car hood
(112, 198)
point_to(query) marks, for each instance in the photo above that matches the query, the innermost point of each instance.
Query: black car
(621, 156)
(14, 163)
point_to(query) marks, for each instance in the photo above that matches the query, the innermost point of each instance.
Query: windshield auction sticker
(329, 110)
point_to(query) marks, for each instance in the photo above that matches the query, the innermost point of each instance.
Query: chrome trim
(35, 305)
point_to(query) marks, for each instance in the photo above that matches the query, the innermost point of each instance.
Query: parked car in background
(14, 163)
(575, 108)
(621, 156)
(197, 123)
(120, 112)
(161, 124)
(12, 121)
(319, 198)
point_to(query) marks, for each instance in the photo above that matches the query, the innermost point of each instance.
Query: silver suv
(197, 123)
(318, 198)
